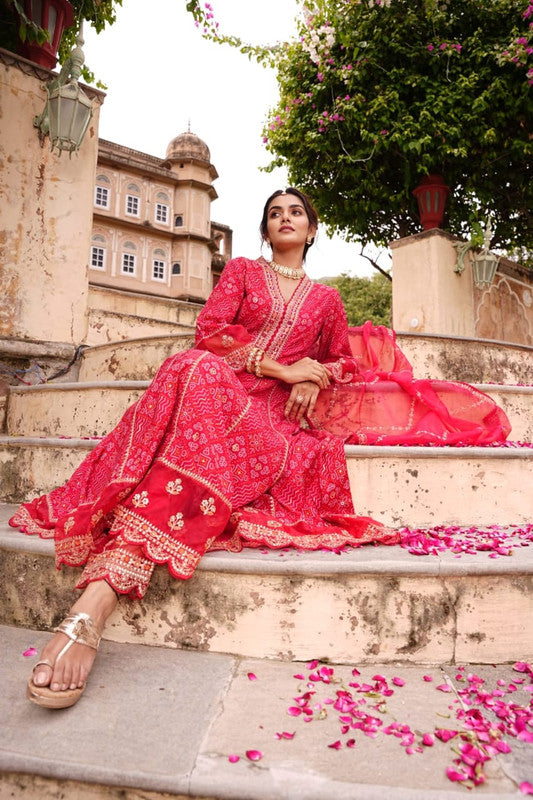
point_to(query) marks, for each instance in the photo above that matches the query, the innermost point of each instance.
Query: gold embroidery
(68, 524)
(174, 487)
(208, 507)
(175, 522)
(140, 500)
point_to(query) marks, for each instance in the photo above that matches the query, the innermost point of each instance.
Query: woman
(219, 453)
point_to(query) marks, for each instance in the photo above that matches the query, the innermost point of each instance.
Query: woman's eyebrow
(278, 208)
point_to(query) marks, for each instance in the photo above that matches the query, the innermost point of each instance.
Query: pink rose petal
(444, 687)
(254, 755)
(252, 676)
(428, 740)
(350, 743)
(294, 711)
(336, 745)
(526, 787)
(233, 758)
(398, 681)
(31, 651)
(285, 735)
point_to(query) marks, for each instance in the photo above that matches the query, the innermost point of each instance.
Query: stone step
(439, 357)
(94, 408)
(456, 358)
(158, 723)
(366, 605)
(106, 326)
(134, 359)
(400, 486)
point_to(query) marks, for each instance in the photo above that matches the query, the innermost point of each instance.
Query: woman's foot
(69, 672)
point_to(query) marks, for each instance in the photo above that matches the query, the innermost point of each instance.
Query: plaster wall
(45, 215)
(429, 297)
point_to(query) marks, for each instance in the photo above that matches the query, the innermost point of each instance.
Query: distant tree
(375, 94)
(364, 298)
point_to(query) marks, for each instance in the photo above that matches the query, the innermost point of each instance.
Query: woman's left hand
(301, 400)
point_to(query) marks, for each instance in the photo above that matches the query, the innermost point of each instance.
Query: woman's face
(288, 225)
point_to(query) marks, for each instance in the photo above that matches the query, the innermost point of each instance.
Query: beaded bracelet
(257, 363)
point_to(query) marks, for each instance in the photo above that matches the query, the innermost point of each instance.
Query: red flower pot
(431, 194)
(54, 16)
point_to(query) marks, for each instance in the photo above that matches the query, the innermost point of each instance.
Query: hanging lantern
(484, 266)
(431, 194)
(68, 110)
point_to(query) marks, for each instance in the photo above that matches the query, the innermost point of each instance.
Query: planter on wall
(54, 16)
(431, 194)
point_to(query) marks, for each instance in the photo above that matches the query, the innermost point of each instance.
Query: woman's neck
(289, 258)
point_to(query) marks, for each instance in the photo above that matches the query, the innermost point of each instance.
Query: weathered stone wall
(45, 215)
(430, 297)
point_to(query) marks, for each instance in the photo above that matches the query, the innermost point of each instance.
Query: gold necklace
(287, 272)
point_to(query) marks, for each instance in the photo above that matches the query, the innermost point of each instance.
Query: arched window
(98, 252)
(178, 221)
(102, 192)
(176, 268)
(128, 264)
(162, 208)
(133, 201)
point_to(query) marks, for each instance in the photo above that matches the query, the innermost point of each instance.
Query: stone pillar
(428, 296)
(46, 208)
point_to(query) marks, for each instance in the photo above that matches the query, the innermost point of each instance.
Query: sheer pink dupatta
(384, 404)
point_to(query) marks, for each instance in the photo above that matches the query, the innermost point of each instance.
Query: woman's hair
(309, 210)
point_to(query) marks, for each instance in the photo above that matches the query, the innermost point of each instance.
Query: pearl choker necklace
(287, 272)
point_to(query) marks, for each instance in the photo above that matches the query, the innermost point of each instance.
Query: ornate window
(128, 264)
(161, 213)
(98, 253)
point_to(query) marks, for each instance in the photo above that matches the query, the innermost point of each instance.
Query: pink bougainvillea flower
(398, 681)
(252, 676)
(31, 651)
(428, 740)
(443, 687)
(428, 678)
(312, 664)
(254, 755)
(454, 775)
(294, 711)
(233, 758)
(526, 787)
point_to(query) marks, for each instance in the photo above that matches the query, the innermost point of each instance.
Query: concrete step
(158, 723)
(456, 358)
(94, 408)
(135, 359)
(109, 326)
(439, 357)
(413, 486)
(367, 605)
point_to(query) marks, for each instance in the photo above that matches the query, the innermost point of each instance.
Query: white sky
(160, 73)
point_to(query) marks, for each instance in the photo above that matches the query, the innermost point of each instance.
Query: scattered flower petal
(31, 651)
(526, 787)
(254, 755)
(252, 676)
(233, 758)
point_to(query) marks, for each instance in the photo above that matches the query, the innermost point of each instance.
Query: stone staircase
(378, 607)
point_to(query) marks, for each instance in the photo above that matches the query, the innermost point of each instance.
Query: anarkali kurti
(206, 458)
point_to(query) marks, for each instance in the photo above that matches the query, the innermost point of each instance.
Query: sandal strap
(81, 628)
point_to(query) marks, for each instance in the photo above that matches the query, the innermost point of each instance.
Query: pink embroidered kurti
(206, 459)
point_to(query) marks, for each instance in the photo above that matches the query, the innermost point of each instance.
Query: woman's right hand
(307, 369)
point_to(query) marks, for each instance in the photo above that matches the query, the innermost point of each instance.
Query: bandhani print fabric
(206, 460)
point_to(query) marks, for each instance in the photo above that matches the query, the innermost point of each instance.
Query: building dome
(188, 145)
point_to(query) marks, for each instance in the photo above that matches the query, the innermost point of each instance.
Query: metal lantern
(484, 266)
(68, 110)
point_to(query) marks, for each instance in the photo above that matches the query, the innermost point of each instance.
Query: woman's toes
(42, 675)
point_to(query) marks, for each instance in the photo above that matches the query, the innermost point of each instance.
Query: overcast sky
(162, 76)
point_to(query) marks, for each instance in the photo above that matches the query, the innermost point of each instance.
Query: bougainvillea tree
(375, 94)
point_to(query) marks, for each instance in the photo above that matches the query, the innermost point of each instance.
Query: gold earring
(309, 240)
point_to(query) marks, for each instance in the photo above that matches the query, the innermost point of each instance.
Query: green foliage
(99, 13)
(364, 298)
(373, 96)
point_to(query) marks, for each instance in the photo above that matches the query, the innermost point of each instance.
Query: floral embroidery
(95, 519)
(175, 487)
(208, 507)
(140, 500)
(175, 522)
(227, 340)
(68, 524)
